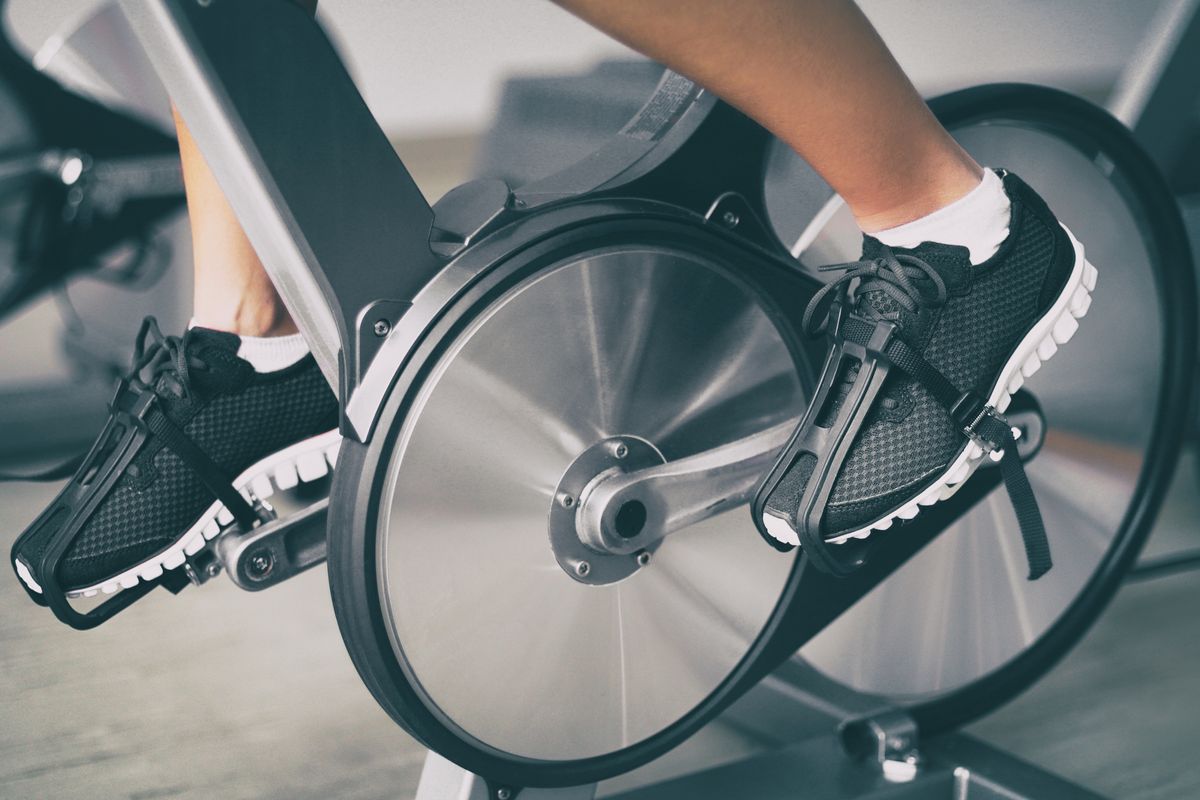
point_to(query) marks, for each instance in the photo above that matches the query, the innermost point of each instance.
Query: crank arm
(276, 550)
(626, 512)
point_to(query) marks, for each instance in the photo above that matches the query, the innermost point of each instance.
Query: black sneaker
(927, 351)
(194, 439)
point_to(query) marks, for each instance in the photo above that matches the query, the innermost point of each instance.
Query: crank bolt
(504, 793)
(730, 219)
(381, 327)
(565, 500)
(643, 558)
(582, 569)
(259, 565)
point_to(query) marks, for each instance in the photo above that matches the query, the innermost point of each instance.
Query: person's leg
(231, 290)
(245, 401)
(817, 75)
(965, 272)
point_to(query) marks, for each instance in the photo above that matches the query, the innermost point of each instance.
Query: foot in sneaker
(195, 437)
(927, 349)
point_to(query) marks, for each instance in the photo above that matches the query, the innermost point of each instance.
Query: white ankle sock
(270, 353)
(978, 221)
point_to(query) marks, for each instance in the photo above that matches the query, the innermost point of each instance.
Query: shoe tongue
(218, 350)
(207, 338)
(952, 262)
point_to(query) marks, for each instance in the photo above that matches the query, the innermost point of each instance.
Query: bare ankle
(246, 318)
(913, 197)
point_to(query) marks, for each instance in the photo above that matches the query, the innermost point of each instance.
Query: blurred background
(220, 693)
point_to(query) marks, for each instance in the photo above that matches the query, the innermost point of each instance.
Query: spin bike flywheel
(611, 334)
(619, 345)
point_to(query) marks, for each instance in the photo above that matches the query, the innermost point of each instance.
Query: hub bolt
(381, 327)
(582, 569)
(565, 500)
(619, 449)
(260, 565)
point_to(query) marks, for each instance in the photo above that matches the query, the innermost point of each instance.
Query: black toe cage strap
(1033, 532)
(205, 468)
(984, 425)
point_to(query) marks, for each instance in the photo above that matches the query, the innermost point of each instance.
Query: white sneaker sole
(1055, 328)
(302, 462)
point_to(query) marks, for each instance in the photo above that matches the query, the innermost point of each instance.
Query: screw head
(260, 565)
(504, 793)
(643, 558)
(565, 500)
(381, 327)
(618, 449)
(582, 569)
(730, 219)
(212, 570)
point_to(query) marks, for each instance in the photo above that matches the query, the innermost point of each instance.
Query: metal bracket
(732, 211)
(890, 738)
(201, 567)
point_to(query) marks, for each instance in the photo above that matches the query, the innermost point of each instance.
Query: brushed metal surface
(636, 342)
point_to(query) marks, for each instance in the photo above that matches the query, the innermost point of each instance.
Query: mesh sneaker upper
(236, 416)
(909, 439)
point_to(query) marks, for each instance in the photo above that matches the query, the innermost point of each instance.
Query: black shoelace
(159, 362)
(897, 276)
(168, 361)
(912, 284)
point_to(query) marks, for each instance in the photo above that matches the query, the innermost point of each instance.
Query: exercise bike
(557, 399)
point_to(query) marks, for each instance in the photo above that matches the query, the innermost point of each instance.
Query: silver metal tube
(255, 199)
(678, 494)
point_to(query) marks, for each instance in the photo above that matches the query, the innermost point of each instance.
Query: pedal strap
(210, 474)
(980, 423)
(1020, 492)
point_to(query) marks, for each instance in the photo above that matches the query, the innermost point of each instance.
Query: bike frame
(365, 264)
